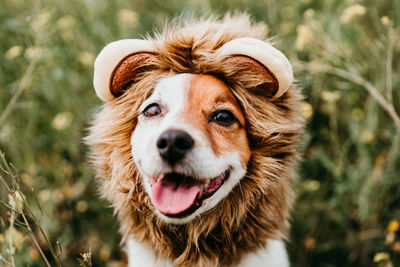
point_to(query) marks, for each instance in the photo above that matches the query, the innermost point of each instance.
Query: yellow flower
(393, 226)
(33, 254)
(65, 26)
(82, 206)
(44, 195)
(309, 243)
(86, 58)
(381, 256)
(66, 22)
(385, 20)
(311, 185)
(367, 136)
(26, 179)
(306, 110)
(309, 13)
(105, 254)
(34, 52)
(62, 120)
(40, 21)
(17, 237)
(304, 36)
(352, 12)
(13, 52)
(331, 96)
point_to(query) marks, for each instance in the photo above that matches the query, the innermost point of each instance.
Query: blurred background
(346, 55)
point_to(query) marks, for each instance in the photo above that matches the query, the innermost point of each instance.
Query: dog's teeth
(161, 177)
(206, 182)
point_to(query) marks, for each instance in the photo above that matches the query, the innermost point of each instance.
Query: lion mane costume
(260, 77)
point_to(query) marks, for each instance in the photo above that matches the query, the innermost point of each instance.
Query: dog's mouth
(176, 195)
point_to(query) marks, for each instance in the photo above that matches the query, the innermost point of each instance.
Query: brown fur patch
(253, 212)
(206, 95)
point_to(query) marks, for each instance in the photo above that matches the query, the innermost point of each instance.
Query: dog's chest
(274, 255)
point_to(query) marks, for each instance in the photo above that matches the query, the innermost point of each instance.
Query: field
(346, 57)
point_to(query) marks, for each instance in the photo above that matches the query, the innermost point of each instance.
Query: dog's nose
(173, 145)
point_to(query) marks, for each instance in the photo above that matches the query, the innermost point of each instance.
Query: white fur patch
(140, 255)
(171, 94)
(274, 255)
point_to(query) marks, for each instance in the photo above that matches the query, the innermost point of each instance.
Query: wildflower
(33, 254)
(81, 206)
(381, 256)
(13, 52)
(311, 185)
(385, 20)
(393, 226)
(306, 110)
(16, 201)
(33, 169)
(304, 36)
(44, 195)
(86, 58)
(62, 120)
(65, 23)
(127, 18)
(105, 254)
(18, 238)
(58, 196)
(309, 243)
(367, 136)
(26, 179)
(34, 52)
(40, 21)
(65, 26)
(87, 257)
(309, 13)
(352, 12)
(331, 96)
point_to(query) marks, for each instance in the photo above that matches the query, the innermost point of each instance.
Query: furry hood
(258, 208)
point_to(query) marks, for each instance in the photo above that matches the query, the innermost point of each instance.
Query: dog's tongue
(171, 196)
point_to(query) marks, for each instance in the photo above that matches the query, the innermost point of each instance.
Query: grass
(346, 55)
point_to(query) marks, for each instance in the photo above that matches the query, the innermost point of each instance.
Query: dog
(196, 143)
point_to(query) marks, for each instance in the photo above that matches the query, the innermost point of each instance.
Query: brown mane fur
(253, 212)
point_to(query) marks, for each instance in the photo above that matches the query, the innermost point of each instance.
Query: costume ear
(118, 64)
(262, 59)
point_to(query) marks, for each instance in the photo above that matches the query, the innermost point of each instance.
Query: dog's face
(190, 145)
(197, 167)
(189, 141)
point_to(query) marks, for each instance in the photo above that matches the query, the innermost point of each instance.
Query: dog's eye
(152, 110)
(223, 117)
